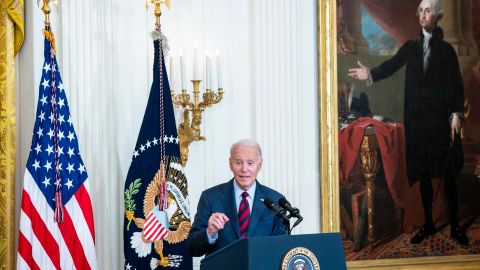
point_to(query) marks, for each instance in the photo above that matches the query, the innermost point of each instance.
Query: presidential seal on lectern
(300, 258)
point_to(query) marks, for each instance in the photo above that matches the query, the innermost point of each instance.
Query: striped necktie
(244, 215)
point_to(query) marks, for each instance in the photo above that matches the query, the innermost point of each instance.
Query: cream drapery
(11, 40)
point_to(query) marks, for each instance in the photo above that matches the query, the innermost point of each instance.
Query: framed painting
(376, 227)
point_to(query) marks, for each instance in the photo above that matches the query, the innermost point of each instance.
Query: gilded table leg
(368, 157)
(477, 168)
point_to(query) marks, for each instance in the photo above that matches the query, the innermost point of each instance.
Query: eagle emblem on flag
(156, 227)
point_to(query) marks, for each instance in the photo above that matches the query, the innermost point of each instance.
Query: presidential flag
(157, 211)
(56, 218)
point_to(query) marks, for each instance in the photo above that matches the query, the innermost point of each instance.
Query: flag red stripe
(156, 234)
(73, 243)
(159, 232)
(147, 228)
(149, 221)
(83, 199)
(41, 231)
(151, 230)
(150, 225)
(25, 250)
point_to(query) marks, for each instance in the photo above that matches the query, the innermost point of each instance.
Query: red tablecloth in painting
(391, 142)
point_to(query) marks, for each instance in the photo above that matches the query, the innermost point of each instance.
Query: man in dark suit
(433, 113)
(234, 209)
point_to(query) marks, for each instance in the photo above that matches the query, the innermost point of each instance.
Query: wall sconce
(189, 129)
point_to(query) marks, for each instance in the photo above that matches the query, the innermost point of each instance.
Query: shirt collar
(427, 35)
(238, 190)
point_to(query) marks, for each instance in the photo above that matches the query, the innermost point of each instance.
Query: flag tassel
(58, 207)
(50, 37)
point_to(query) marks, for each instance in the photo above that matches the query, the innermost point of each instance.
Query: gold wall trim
(327, 77)
(329, 182)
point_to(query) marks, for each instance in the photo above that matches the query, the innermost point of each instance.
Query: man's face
(426, 16)
(245, 164)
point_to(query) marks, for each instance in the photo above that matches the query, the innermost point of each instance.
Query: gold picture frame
(328, 117)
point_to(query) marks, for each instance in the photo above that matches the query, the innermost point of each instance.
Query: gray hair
(247, 142)
(437, 8)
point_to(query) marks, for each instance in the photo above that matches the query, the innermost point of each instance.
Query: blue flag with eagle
(157, 211)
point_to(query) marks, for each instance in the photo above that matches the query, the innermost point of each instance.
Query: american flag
(55, 173)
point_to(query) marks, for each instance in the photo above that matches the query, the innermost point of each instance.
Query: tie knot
(244, 194)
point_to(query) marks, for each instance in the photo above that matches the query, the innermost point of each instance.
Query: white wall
(106, 56)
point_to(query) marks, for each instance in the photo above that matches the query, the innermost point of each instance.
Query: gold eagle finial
(157, 10)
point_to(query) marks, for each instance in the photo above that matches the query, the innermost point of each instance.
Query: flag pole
(46, 11)
(47, 31)
(158, 10)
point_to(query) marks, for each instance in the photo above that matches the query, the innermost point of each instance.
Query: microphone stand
(286, 223)
(297, 222)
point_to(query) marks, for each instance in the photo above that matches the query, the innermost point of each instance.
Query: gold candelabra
(189, 131)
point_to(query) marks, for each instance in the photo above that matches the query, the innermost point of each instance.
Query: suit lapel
(257, 209)
(228, 199)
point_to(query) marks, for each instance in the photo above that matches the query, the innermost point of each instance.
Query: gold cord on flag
(51, 37)
(11, 40)
(163, 200)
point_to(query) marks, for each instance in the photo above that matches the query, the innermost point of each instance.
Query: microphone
(280, 212)
(294, 212)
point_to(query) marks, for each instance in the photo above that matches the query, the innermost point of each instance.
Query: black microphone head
(287, 206)
(283, 202)
(272, 205)
(268, 202)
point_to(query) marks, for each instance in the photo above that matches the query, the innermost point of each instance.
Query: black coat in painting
(430, 99)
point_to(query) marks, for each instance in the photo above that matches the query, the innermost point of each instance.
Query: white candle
(219, 70)
(208, 83)
(171, 79)
(183, 75)
(195, 62)
(210, 74)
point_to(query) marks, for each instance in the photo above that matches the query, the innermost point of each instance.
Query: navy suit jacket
(221, 198)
